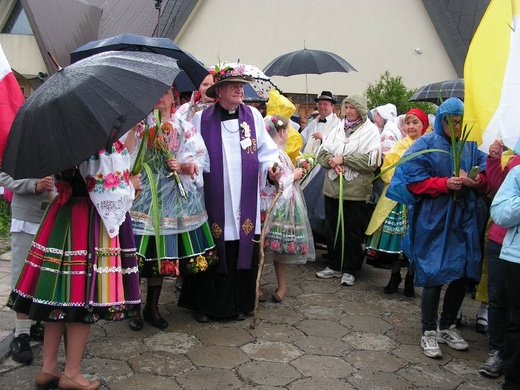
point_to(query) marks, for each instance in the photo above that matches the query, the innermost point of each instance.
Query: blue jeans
(497, 310)
(452, 300)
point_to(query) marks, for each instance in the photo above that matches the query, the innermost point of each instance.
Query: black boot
(151, 310)
(408, 285)
(394, 282)
(136, 322)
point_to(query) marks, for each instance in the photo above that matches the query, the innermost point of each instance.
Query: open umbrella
(444, 89)
(132, 42)
(262, 84)
(306, 62)
(84, 108)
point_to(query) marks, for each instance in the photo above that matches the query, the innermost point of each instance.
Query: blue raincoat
(443, 237)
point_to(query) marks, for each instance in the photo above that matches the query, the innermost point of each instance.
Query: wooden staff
(252, 325)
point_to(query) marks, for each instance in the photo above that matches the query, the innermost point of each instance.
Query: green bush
(5, 218)
(392, 90)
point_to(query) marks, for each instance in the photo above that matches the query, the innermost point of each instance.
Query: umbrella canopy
(491, 69)
(262, 84)
(307, 61)
(446, 89)
(84, 108)
(132, 42)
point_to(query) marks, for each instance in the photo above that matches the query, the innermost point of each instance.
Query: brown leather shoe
(46, 381)
(67, 383)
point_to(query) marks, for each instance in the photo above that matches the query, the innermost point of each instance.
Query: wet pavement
(322, 336)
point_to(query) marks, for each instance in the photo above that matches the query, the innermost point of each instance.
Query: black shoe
(154, 318)
(408, 286)
(393, 284)
(201, 317)
(136, 323)
(240, 317)
(37, 331)
(21, 349)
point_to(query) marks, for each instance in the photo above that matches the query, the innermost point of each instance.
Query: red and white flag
(11, 98)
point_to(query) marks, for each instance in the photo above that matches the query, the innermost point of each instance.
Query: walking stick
(252, 325)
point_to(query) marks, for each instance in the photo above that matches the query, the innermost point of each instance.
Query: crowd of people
(217, 173)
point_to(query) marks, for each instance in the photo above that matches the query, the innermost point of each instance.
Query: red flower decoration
(91, 183)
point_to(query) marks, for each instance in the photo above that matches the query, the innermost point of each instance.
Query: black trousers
(512, 339)
(356, 215)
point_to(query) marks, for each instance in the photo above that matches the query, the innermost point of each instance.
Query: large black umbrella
(434, 92)
(306, 62)
(84, 108)
(132, 42)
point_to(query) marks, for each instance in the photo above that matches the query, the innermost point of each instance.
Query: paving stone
(370, 341)
(320, 384)
(323, 346)
(325, 328)
(145, 381)
(171, 342)
(323, 366)
(105, 370)
(217, 357)
(431, 376)
(320, 312)
(365, 324)
(375, 361)
(160, 363)
(413, 353)
(405, 335)
(361, 308)
(268, 373)
(369, 380)
(276, 332)
(271, 351)
(226, 336)
(104, 348)
(205, 378)
(324, 299)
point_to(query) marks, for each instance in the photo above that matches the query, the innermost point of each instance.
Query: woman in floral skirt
(82, 265)
(172, 205)
(288, 233)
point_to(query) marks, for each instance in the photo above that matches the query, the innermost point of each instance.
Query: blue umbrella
(195, 71)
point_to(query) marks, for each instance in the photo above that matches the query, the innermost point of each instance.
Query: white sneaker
(348, 280)
(328, 273)
(453, 338)
(430, 345)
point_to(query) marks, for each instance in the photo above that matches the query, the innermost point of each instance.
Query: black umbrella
(132, 42)
(306, 62)
(84, 108)
(443, 89)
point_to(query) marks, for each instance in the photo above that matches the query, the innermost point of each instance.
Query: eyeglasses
(454, 122)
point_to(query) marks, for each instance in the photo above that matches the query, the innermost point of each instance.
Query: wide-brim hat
(227, 74)
(326, 95)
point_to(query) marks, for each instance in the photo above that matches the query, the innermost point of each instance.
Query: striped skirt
(179, 254)
(74, 271)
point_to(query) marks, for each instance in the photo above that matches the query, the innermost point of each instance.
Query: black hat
(326, 95)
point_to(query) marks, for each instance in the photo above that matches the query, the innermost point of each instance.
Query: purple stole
(214, 184)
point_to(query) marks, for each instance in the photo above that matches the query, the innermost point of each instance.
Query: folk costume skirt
(180, 254)
(74, 271)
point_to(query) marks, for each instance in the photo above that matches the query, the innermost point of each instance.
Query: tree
(392, 90)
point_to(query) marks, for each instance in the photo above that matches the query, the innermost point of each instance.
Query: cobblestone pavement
(322, 336)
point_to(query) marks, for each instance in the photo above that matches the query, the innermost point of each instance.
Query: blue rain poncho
(444, 233)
